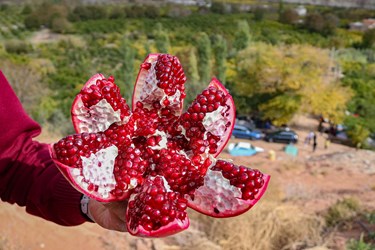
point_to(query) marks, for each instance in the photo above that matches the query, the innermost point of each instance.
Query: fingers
(109, 215)
(118, 208)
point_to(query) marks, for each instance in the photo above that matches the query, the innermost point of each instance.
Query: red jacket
(28, 176)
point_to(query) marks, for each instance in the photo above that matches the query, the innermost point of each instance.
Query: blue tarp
(291, 150)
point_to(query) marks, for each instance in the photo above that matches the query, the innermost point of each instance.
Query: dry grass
(271, 225)
(268, 226)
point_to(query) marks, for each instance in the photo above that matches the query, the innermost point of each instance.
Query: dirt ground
(312, 180)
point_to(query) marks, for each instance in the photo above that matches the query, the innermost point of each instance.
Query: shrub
(283, 227)
(84, 13)
(151, 11)
(44, 15)
(368, 39)
(314, 22)
(358, 134)
(17, 47)
(26, 10)
(135, 11)
(116, 13)
(259, 14)
(218, 8)
(325, 25)
(342, 211)
(32, 21)
(289, 16)
(359, 245)
(61, 25)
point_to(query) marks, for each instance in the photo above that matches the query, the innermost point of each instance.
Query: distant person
(309, 137)
(29, 178)
(327, 142)
(314, 142)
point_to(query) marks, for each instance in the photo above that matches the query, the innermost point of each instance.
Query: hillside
(304, 187)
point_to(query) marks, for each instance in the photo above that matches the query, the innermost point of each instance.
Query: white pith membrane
(98, 170)
(150, 92)
(163, 143)
(96, 118)
(215, 122)
(217, 196)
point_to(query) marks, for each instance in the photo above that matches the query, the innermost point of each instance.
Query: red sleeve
(28, 176)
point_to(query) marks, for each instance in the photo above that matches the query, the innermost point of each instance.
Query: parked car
(284, 136)
(246, 133)
(243, 149)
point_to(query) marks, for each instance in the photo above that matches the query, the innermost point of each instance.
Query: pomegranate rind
(209, 198)
(67, 172)
(135, 209)
(141, 79)
(78, 109)
(164, 231)
(141, 84)
(231, 116)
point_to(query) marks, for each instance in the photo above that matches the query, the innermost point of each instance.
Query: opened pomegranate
(159, 158)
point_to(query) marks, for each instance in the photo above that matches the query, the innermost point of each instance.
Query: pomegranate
(162, 159)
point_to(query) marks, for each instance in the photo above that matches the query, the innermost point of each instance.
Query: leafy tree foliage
(44, 15)
(368, 39)
(220, 54)
(217, 7)
(127, 51)
(289, 16)
(259, 13)
(323, 24)
(289, 79)
(91, 12)
(242, 36)
(204, 57)
(61, 25)
(193, 85)
(162, 42)
(192, 70)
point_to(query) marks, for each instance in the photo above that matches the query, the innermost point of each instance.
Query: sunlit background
(299, 65)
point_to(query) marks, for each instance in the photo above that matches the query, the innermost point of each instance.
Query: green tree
(193, 86)
(44, 15)
(161, 39)
(242, 35)
(152, 11)
(192, 70)
(368, 39)
(26, 10)
(281, 7)
(323, 24)
(217, 7)
(296, 81)
(204, 57)
(61, 25)
(314, 22)
(259, 14)
(281, 108)
(330, 24)
(289, 16)
(128, 54)
(220, 54)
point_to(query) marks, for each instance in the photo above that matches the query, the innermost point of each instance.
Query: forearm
(28, 176)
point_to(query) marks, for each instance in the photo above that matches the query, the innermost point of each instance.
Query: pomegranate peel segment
(98, 105)
(218, 198)
(160, 159)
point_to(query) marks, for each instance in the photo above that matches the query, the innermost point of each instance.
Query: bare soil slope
(313, 181)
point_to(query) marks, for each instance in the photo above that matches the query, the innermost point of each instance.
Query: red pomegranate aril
(159, 156)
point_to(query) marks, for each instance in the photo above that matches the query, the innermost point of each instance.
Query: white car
(244, 145)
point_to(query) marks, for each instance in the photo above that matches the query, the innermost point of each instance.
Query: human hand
(109, 215)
